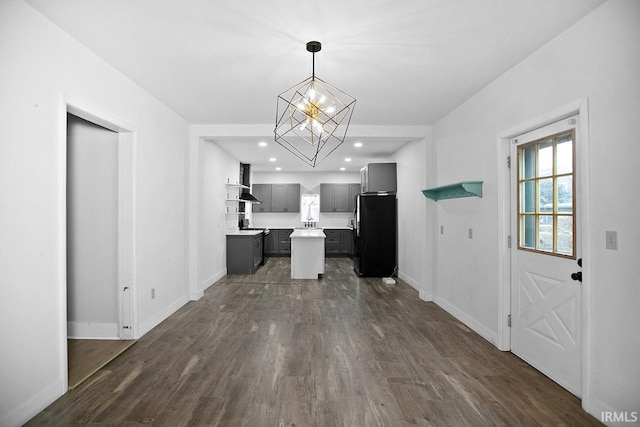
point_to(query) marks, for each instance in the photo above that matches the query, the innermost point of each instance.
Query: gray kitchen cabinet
(339, 242)
(341, 197)
(326, 198)
(272, 242)
(257, 250)
(262, 192)
(284, 241)
(244, 253)
(276, 197)
(331, 242)
(285, 197)
(334, 198)
(293, 197)
(346, 242)
(279, 242)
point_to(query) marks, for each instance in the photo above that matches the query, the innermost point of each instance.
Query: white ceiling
(407, 63)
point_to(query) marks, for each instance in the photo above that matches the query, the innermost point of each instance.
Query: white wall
(415, 223)
(92, 235)
(216, 168)
(309, 184)
(40, 66)
(598, 59)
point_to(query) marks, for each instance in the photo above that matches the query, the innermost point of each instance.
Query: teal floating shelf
(454, 191)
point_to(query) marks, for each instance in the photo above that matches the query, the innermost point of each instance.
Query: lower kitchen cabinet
(244, 253)
(346, 242)
(279, 242)
(339, 242)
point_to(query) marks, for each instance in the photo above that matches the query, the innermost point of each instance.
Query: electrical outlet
(470, 233)
(612, 240)
(153, 293)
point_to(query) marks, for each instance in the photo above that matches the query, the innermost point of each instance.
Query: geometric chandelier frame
(312, 117)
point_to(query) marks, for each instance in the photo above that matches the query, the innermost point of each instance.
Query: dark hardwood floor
(86, 357)
(265, 350)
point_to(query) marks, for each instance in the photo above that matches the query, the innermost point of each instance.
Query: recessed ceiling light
(342, 169)
(358, 144)
(278, 168)
(262, 144)
(272, 159)
(348, 159)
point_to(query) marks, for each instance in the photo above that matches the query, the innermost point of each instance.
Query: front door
(545, 300)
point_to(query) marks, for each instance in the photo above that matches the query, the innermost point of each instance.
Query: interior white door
(545, 299)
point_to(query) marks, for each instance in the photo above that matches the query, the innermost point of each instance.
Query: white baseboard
(599, 411)
(211, 280)
(27, 410)
(205, 284)
(195, 296)
(92, 331)
(473, 324)
(415, 285)
(409, 280)
(161, 315)
(425, 296)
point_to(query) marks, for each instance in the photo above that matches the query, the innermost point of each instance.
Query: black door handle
(578, 276)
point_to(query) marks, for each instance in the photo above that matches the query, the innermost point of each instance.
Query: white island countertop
(308, 234)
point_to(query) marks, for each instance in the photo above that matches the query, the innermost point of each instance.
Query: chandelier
(313, 116)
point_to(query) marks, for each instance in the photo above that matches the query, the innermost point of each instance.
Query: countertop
(316, 228)
(308, 234)
(244, 233)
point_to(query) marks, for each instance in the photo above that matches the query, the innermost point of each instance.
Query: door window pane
(546, 204)
(565, 194)
(528, 167)
(528, 197)
(528, 231)
(545, 234)
(564, 148)
(546, 195)
(565, 234)
(545, 158)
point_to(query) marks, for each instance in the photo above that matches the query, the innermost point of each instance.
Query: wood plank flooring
(86, 357)
(265, 350)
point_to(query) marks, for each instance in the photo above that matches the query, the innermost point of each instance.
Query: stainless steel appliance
(375, 235)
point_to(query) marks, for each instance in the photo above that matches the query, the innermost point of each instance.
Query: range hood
(245, 179)
(245, 195)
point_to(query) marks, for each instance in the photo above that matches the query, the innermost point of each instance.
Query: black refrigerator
(375, 234)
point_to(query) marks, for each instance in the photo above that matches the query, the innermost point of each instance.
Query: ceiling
(408, 63)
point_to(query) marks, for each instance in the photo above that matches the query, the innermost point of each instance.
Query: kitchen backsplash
(286, 220)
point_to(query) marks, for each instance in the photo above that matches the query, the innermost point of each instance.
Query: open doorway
(99, 208)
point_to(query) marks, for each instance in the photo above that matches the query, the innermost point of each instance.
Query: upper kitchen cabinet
(262, 192)
(334, 198)
(285, 197)
(378, 178)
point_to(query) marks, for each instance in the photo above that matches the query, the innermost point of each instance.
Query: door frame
(126, 224)
(504, 198)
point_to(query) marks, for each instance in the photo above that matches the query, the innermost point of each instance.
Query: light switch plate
(612, 239)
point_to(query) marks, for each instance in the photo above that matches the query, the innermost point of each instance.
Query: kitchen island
(307, 253)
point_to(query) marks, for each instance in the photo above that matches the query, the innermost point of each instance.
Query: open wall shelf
(454, 191)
